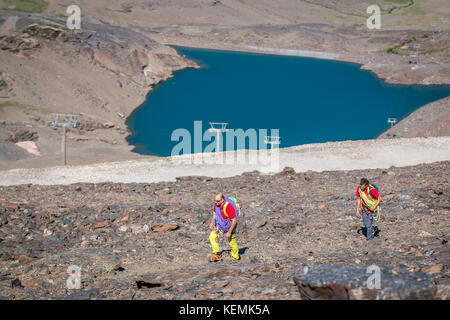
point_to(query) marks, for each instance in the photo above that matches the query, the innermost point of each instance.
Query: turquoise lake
(309, 100)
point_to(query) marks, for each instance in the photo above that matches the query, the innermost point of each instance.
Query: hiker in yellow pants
(216, 248)
(223, 224)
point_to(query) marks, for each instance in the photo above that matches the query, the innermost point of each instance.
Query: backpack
(373, 186)
(224, 224)
(237, 205)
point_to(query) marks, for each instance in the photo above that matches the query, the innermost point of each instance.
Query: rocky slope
(431, 120)
(100, 73)
(298, 235)
(412, 45)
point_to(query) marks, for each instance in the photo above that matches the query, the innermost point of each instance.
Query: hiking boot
(215, 258)
(234, 259)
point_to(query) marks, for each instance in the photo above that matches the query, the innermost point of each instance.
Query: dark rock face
(21, 134)
(341, 282)
(331, 291)
(150, 241)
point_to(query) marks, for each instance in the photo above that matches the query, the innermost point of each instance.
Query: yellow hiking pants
(231, 241)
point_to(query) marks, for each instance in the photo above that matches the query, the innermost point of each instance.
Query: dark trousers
(368, 223)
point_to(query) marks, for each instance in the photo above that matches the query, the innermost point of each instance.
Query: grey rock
(395, 283)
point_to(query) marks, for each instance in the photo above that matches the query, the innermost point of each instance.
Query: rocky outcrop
(105, 46)
(341, 282)
(49, 32)
(20, 134)
(28, 37)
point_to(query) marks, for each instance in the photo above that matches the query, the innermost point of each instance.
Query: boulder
(164, 228)
(356, 282)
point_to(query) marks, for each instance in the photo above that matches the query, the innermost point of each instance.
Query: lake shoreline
(293, 53)
(373, 62)
(126, 149)
(269, 51)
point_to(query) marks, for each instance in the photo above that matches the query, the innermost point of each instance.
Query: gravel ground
(347, 155)
(298, 235)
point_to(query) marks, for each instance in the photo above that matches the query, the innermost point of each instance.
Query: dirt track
(347, 155)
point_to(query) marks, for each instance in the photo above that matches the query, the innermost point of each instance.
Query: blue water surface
(309, 100)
